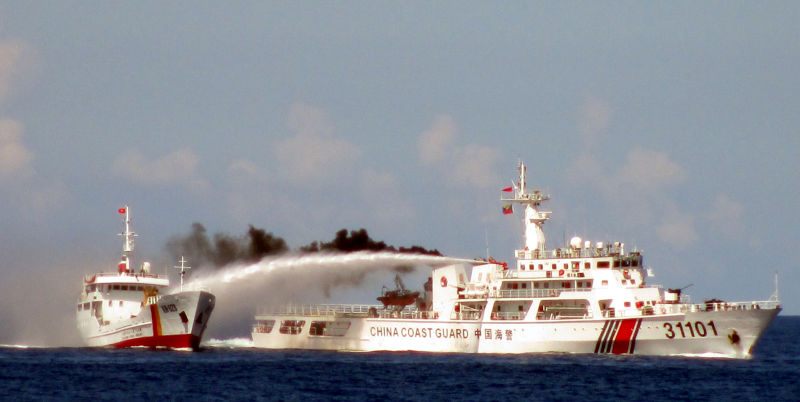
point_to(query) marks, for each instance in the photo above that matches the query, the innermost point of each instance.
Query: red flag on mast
(121, 210)
(508, 189)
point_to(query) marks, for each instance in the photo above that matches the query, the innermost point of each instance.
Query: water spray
(343, 263)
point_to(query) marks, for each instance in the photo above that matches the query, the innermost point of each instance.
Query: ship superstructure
(133, 307)
(583, 298)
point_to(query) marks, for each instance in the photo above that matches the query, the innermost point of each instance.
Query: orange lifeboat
(399, 297)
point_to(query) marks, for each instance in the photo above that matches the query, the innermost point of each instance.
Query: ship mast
(127, 240)
(533, 218)
(183, 267)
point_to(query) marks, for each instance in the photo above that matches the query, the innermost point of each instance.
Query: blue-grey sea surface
(243, 373)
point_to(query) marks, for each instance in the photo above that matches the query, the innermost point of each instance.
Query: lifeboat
(400, 297)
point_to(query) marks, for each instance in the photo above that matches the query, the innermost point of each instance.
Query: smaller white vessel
(134, 307)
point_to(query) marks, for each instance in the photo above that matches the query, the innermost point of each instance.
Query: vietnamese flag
(508, 189)
(121, 210)
(507, 209)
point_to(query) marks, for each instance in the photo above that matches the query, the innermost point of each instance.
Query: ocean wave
(231, 343)
(17, 346)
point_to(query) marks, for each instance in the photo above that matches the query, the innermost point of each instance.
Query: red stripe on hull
(623, 340)
(164, 341)
(156, 320)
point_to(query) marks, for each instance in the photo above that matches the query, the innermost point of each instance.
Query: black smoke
(359, 240)
(222, 249)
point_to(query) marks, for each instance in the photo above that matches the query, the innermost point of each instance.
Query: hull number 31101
(688, 330)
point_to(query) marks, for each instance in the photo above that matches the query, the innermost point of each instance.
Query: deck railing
(343, 310)
(319, 309)
(520, 293)
(715, 306)
(608, 250)
(139, 274)
(511, 315)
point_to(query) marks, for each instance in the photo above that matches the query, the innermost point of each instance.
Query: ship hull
(176, 321)
(703, 333)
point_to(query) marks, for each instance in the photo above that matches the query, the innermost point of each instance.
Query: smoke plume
(223, 250)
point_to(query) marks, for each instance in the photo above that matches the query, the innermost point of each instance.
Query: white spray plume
(340, 263)
(241, 289)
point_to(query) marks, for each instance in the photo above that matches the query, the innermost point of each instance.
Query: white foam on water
(232, 343)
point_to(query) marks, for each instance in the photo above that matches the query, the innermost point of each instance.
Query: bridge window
(264, 326)
(603, 264)
(292, 327)
(328, 328)
(587, 265)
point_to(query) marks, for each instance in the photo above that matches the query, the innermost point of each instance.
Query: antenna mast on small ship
(183, 267)
(532, 217)
(776, 296)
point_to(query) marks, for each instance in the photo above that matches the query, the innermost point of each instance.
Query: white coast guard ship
(134, 308)
(584, 298)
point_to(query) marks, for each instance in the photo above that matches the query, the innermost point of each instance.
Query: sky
(670, 126)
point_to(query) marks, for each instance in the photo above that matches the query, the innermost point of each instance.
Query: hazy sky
(670, 126)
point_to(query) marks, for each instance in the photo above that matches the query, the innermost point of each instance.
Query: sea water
(232, 369)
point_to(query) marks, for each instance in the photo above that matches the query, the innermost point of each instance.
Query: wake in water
(232, 343)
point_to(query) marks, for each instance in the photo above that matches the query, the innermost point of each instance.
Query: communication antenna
(486, 237)
(775, 295)
(183, 267)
